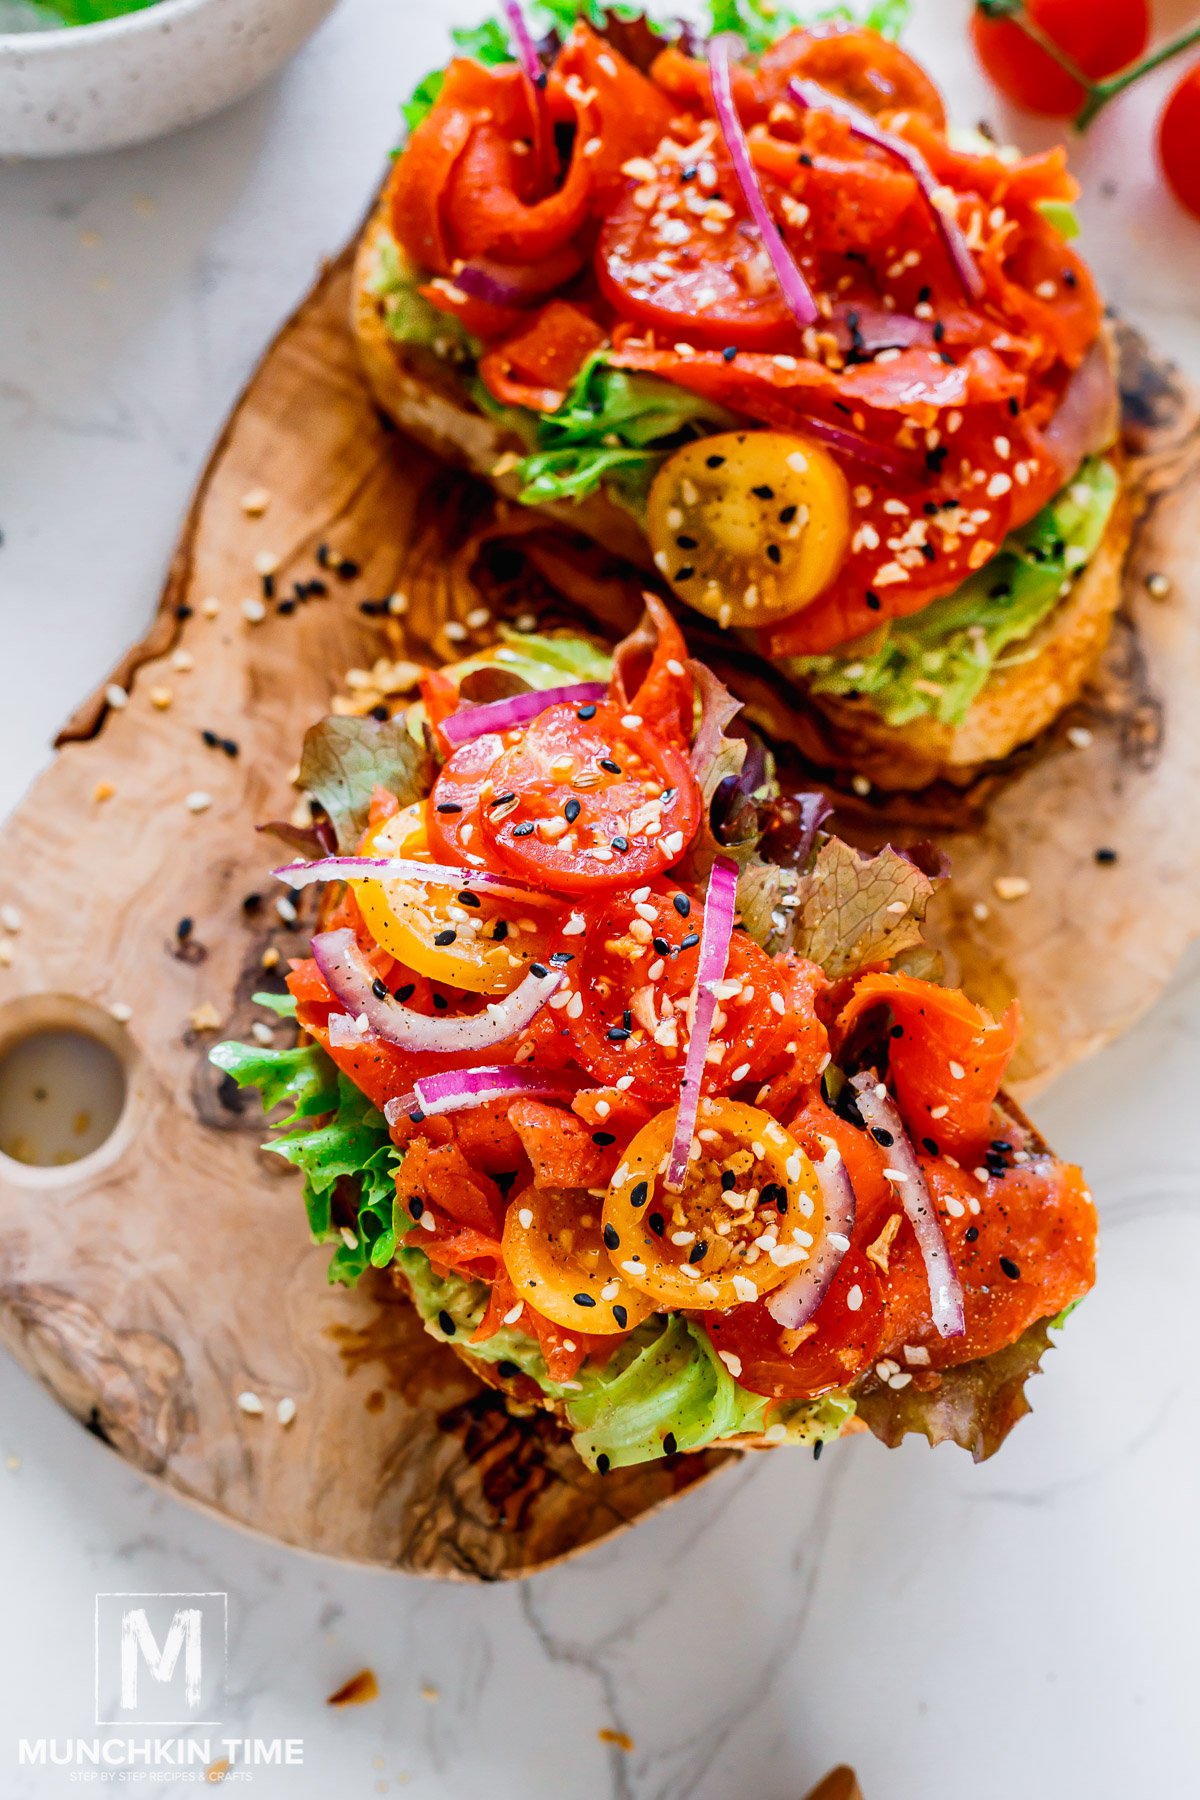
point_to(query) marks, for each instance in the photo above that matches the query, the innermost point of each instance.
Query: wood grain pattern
(152, 1284)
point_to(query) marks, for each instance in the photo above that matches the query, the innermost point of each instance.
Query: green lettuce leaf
(340, 1144)
(760, 22)
(850, 911)
(344, 758)
(934, 663)
(615, 427)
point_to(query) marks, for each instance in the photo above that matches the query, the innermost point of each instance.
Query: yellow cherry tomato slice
(749, 526)
(749, 1214)
(466, 940)
(556, 1259)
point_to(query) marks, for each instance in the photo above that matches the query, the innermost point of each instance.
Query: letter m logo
(160, 1658)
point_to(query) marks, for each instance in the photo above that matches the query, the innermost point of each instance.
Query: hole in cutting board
(62, 1092)
(70, 1082)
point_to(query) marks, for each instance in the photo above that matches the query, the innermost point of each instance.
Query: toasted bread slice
(1022, 698)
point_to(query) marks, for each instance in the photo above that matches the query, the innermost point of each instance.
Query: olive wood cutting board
(166, 1283)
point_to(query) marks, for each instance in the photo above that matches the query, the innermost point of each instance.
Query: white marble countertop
(956, 1631)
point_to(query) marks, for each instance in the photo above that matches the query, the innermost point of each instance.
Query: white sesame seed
(198, 801)
(121, 1011)
(253, 610)
(854, 1298)
(250, 1403)
(10, 917)
(524, 1218)
(1079, 737)
(285, 1410)
(116, 696)
(1010, 887)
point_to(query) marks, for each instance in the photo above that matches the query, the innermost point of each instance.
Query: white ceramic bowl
(95, 87)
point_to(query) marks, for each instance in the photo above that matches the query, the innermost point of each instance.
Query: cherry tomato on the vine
(1179, 141)
(1098, 36)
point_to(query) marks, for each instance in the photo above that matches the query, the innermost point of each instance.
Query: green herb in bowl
(51, 15)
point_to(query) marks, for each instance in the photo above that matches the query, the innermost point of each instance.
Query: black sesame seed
(817, 1449)
(621, 1316)
(930, 1144)
(507, 1369)
(448, 806)
(443, 938)
(685, 542)
(538, 969)
(897, 1031)
(971, 1233)
(686, 943)
(500, 931)
(763, 491)
(662, 947)
(617, 1034)
(612, 1240)
(183, 929)
(1001, 1144)
(929, 552)
(607, 763)
(183, 612)
(639, 1193)
(440, 1003)
(682, 904)
(627, 1019)
(447, 1323)
(323, 555)
(939, 332)
(500, 800)
(714, 462)
(210, 738)
(1106, 856)
(881, 1136)
(287, 608)
(406, 992)
(602, 1464)
(583, 1299)
(774, 554)
(381, 712)
(571, 811)
(603, 1139)
(586, 712)
(469, 899)
(620, 843)
(786, 515)
(729, 352)
(1014, 408)
(935, 459)
(415, 1208)
(670, 1444)
(523, 830)
(688, 173)
(379, 988)
(656, 1223)
(805, 160)
(347, 568)
(1010, 1268)
(560, 958)
(728, 1180)
(873, 601)
(698, 1251)
(1070, 278)
(684, 573)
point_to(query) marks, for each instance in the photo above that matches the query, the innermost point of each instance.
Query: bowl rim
(49, 38)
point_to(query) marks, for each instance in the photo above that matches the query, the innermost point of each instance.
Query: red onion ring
(1088, 419)
(796, 292)
(457, 1090)
(715, 934)
(811, 94)
(517, 709)
(351, 981)
(399, 868)
(794, 1304)
(875, 328)
(945, 1288)
(863, 450)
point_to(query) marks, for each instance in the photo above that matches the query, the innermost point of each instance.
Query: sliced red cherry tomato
(635, 968)
(585, 800)
(1099, 37)
(840, 1341)
(712, 285)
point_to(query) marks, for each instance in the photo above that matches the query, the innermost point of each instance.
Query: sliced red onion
(351, 981)
(904, 1172)
(523, 44)
(516, 284)
(503, 715)
(796, 293)
(872, 328)
(715, 934)
(1089, 418)
(399, 868)
(457, 1090)
(863, 450)
(810, 93)
(794, 1304)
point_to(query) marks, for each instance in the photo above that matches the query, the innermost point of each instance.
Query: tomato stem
(1101, 92)
(1097, 93)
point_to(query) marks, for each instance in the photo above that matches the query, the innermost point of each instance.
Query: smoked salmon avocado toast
(748, 312)
(640, 1082)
